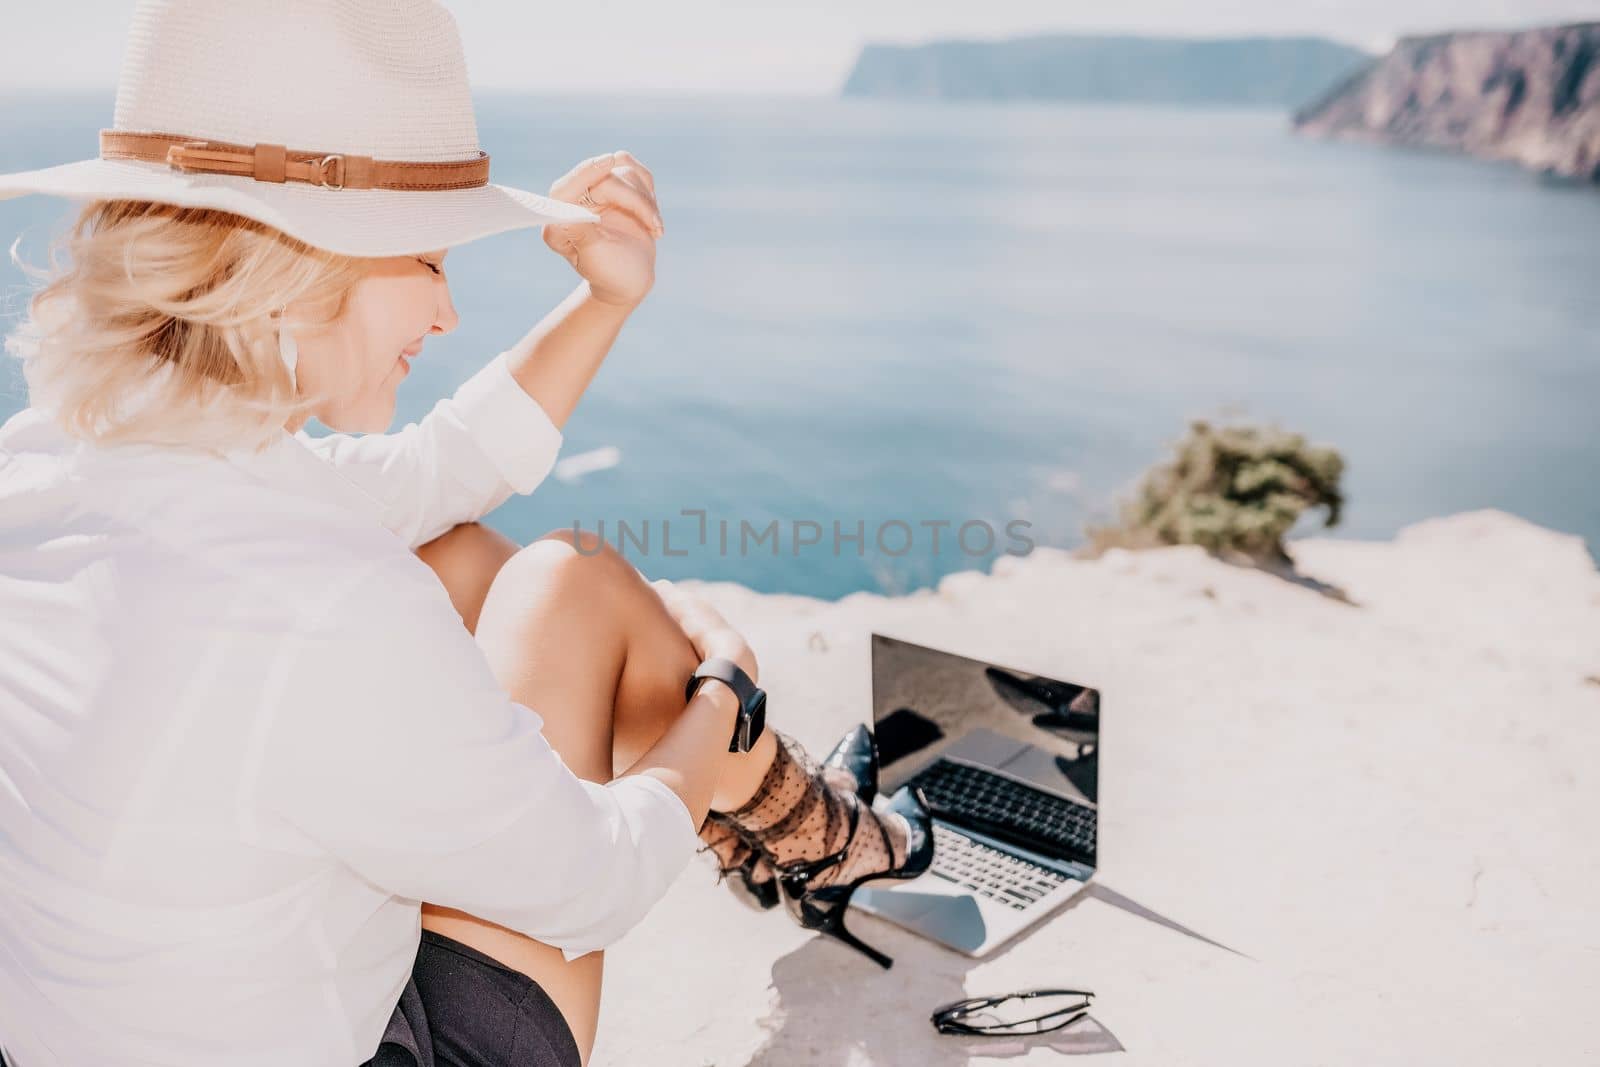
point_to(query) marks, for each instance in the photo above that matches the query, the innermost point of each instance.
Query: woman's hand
(705, 627)
(617, 255)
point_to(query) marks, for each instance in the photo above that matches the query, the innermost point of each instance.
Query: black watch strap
(752, 699)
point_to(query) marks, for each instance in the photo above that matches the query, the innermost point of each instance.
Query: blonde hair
(181, 308)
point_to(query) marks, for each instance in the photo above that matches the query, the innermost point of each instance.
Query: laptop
(1009, 762)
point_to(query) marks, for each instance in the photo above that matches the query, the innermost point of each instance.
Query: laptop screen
(1040, 732)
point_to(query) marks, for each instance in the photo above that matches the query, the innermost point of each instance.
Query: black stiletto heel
(829, 919)
(824, 909)
(856, 753)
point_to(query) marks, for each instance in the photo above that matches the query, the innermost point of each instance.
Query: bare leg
(467, 559)
(582, 638)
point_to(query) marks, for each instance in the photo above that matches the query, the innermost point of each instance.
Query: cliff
(1259, 72)
(1332, 832)
(1532, 97)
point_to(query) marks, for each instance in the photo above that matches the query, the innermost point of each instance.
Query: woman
(299, 763)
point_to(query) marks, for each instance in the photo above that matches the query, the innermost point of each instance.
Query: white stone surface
(1386, 812)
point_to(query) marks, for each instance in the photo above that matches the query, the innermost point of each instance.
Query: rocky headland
(1531, 96)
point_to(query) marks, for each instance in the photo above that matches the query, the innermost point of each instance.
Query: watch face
(758, 715)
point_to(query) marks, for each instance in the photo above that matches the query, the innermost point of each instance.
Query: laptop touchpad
(954, 920)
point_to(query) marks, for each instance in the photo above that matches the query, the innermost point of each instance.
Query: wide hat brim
(353, 222)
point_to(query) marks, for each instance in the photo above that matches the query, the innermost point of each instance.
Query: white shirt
(243, 734)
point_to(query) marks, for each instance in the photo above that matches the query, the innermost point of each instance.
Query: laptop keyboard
(1000, 876)
(1006, 809)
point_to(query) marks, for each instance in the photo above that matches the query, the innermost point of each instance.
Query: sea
(893, 340)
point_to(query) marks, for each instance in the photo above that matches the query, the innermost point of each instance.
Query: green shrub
(1233, 490)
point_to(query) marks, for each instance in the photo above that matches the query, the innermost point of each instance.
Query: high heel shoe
(823, 909)
(855, 754)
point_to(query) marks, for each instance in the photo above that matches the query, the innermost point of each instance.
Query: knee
(569, 563)
(583, 553)
(590, 572)
(584, 544)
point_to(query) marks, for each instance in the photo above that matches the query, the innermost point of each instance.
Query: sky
(738, 46)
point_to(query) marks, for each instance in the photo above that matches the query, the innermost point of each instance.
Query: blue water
(869, 311)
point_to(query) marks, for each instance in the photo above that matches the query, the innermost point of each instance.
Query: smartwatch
(752, 699)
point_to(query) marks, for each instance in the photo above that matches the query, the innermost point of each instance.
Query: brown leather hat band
(275, 163)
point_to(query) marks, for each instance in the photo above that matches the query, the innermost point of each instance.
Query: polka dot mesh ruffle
(802, 812)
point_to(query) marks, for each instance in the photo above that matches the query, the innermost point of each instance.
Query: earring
(287, 349)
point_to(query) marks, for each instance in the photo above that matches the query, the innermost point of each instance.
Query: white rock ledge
(1386, 811)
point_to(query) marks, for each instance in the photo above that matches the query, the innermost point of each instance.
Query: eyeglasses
(1035, 1011)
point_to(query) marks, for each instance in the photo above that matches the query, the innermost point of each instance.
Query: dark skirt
(461, 1007)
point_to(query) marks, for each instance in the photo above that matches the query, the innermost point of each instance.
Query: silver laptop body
(1009, 762)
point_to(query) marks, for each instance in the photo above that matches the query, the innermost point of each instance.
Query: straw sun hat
(345, 123)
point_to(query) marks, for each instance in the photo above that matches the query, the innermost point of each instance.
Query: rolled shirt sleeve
(397, 751)
(465, 457)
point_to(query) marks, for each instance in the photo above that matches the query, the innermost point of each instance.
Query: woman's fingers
(706, 629)
(697, 618)
(572, 184)
(591, 171)
(627, 158)
(615, 190)
(675, 600)
(692, 613)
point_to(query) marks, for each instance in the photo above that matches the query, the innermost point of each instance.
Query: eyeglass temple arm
(973, 1003)
(947, 1016)
(955, 1026)
(1086, 994)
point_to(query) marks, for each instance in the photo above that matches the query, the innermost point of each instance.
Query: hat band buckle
(261, 161)
(322, 171)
